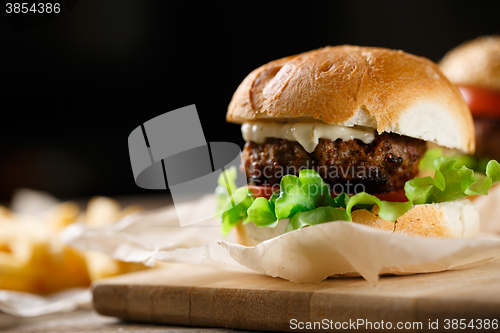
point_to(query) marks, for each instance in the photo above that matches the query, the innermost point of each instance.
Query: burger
(338, 133)
(474, 67)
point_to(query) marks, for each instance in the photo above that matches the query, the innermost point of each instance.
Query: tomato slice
(396, 196)
(481, 101)
(267, 190)
(263, 190)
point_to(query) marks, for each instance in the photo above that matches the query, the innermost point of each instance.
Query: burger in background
(474, 67)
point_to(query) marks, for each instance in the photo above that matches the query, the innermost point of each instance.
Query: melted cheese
(307, 134)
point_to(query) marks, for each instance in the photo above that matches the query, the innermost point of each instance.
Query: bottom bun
(454, 219)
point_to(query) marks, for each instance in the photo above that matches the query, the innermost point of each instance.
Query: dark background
(76, 86)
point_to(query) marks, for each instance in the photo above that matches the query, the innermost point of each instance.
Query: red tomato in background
(481, 101)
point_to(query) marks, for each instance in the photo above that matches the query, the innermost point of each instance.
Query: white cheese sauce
(306, 134)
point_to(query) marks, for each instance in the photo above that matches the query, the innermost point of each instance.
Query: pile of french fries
(33, 259)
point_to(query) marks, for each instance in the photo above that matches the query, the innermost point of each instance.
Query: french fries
(102, 211)
(33, 259)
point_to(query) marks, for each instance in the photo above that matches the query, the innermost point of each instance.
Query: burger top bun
(388, 90)
(452, 219)
(474, 63)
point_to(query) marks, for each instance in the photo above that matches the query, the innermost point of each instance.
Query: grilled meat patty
(351, 166)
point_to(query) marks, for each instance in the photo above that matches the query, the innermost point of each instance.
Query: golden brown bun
(389, 90)
(474, 63)
(454, 219)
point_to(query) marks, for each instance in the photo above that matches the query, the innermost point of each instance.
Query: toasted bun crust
(389, 90)
(454, 219)
(474, 63)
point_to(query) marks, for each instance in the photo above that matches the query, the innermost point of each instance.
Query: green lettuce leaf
(451, 182)
(471, 162)
(232, 214)
(387, 210)
(306, 200)
(226, 185)
(227, 194)
(340, 200)
(427, 162)
(481, 165)
(316, 216)
(261, 213)
(301, 194)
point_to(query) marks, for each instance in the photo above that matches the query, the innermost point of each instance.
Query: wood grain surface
(206, 297)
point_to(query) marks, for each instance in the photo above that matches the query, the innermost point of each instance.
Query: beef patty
(351, 166)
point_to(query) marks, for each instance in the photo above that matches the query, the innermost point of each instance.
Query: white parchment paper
(28, 305)
(304, 256)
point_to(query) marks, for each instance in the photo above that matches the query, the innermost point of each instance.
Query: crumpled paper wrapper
(23, 304)
(304, 256)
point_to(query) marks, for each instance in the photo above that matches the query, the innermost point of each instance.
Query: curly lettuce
(451, 182)
(471, 162)
(227, 194)
(306, 199)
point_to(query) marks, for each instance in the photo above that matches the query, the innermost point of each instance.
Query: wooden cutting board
(205, 297)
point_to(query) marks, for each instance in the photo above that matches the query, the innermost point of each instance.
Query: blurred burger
(338, 134)
(474, 67)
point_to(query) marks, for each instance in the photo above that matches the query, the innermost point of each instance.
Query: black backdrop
(76, 86)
